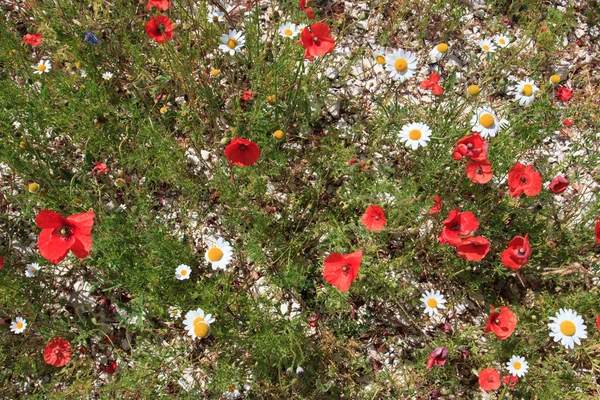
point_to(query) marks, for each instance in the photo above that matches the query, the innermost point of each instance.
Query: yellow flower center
(232, 43)
(502, 41)
(555, 79)
(401, 65)
(41, 67)
(215, 254)
(432, 303)
(33, 187)
(527, 90)
(473, 90)
(215, 72)
(415, 134)
(23, 144)
(278, 134)
(288, 32)
(183, 272)
(19, 325)
(380, 60)
(175, 312)
(231, 388)
(517, 365)
(163, 109)
(442, 48)
(567, 328)
(201, 328)
(486, 120)
(78, 64)
(485, 47)
(271, 99)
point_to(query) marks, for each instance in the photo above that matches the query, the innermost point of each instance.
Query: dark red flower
(558, 185)
(437, 357)
(432, 83)
(59, 235)
(342, 269)
(473, 147)
(374, 218)
(489, 379)
(563, 93)
(513, 379)
(567, 122)
(473, 248)
(317, 40)
(99, 168)
(162, 5)
(242, 152)
(33, 39)
(247, 95)
(111, 367)
(502, 322)
(597, 229)
(57, 352)
(479, 171)
(1, 262)
(518, 252)
(310, 14)
(457, 225)
(160, 29)
(303, 5)
(437, 205)
(523, 179)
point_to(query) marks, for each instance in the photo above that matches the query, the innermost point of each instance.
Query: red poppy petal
(47, 219)
(53, 247)
(82, 245)
(83, 222)
(437, 90)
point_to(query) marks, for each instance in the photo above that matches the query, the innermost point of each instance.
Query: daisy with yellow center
(233, 42)
(198, 324)
(182, 272)
(567, 328)
(215, 15)
(438, 52)
(401, 65)
(218, 253)
(525, 91)
(415, 134)
(43, 66)
(433, 301)
(379, 60)
(288, 30)
(486, 46)
(32, 270)
(107, 76)
(485, 122)
(33, 187)
(174, 312)
(18, 325)
(501, 40)
(517, 366)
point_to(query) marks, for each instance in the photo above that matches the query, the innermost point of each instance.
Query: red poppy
(1, 262)
(432, 83)
(518, 252)
(502, 322)
(162, 5)
(111, 367)
(598, 322)
(489, 379)
(457, 224)
(597, 229)
(57, 352)
(473, 147)
(310, 14)
(374, 219)
(160, 29)
(242, 152)
(558, 185)
(33, 39)
(341, 269)
(473, 248)
(513, 379)
(479, 171)
(437, 205)
(563, 93)
(99, 168)
(437, 357)
(59, 235)
(317, 40)
(247, 95)
(303, 5)
(523, 179)
(567, 122)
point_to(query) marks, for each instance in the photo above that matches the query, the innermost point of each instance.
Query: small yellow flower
(555, 79)
(33, 187)
(164, 109)
(271, 99)
(473, 90)
(23, 144)
(215, 72)
(278, 134)
(78, 64)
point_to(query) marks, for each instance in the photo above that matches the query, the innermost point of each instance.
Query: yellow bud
(271, 99)
(77, 202)
(33, 187)
(555, 79)
(120, 182)
(23, 144)
(164, 109)
(473, 90)
(278, 134)
(78, 64)
(215, 72)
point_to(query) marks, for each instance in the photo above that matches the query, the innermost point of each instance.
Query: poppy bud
(437, 357)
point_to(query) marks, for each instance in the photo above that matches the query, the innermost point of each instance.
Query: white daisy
(379, 57)
(18, 325)
(219, 253)
(83, 73)
(32, 270)
(486, 46)
(485, 122)
(433, 300)
(501, 40)
(517, 366)
(43, 66)
(568, 328)
(401, 65)
(289, 30)
(198, 324)
(232, 393)
(174, 312)
(438, 52)
(215, 15)
(107, 76)
(182, 272)
(232, 42)
(415, 134)
(301, 27)
(525, 91)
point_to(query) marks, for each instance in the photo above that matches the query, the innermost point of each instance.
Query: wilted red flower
(479, 171)
(242, 152)
(563, 93)
(33, 39)
(342, 269)
(567, 122)
(597, 229)
(489, 379)
(317, 40)
(513, 379)
(59, 235)
(473, 248)
(437, 205)
(162, 5)
(437, 357)
(502, 322)
(523, 179)
(473, 147)
(457, 225)
(99, 168)
(518, 252)
(432, 83)
(374, 218)
(159, 28)
(558, 185)
(57, 352)
(111, 367)
(247, 95)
